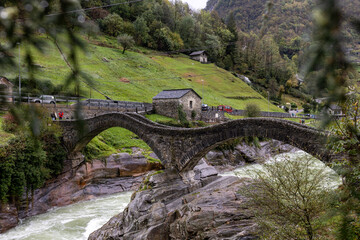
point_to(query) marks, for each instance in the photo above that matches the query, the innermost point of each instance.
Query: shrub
(126, 41)
(193, 114)
(307, 107)
(112, 24)
(287, 198)
(9, 124)
(182, 117)
(293, 106)
(252, 110)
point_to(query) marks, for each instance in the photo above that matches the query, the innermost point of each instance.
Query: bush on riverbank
(289, 199)
(28, 160)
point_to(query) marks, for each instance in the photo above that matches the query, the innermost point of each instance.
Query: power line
(92, 8)
(149, 79)
(197, 48)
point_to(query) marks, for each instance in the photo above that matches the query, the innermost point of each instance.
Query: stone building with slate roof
(167, 103)
(200, 56)
(335, 110)
(6, 88)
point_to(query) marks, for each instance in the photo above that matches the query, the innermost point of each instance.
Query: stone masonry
(167, 103)
(182, 148)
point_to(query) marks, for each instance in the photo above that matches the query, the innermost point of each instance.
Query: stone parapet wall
(95, 109)
(212, 116)
(237, 112)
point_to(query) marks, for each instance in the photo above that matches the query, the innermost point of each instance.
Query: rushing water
(332, 180)
(74, 222)
(77, 221)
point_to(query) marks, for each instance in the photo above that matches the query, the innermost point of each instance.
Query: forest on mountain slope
(289, 21)
(284, 27)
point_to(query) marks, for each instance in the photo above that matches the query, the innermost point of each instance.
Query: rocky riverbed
(198, 204)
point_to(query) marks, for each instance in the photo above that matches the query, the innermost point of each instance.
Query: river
(332, 180)
(77, 221)
(74, 222)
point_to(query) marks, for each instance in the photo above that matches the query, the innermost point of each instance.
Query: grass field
(140, 75)
(114, 140)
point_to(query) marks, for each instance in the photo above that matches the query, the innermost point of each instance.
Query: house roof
(174, 93)
(197, 53)
(5, 81)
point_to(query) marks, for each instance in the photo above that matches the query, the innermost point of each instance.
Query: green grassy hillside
(140, 75)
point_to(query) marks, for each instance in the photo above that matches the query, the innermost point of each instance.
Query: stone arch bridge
(182, 148)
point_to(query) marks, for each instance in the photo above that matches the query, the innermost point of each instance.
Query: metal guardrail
(73, 102)
(239, 112)
(275, 114)
(30, 99)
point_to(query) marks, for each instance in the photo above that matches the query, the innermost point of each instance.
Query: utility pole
(268, 103)
(19, 75)
(202, 89)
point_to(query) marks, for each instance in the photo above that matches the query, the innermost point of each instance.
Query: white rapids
(74, 222)
(333, 179)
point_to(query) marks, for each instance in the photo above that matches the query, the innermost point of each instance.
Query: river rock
(199, 204)
(243, 154)
(8, 217)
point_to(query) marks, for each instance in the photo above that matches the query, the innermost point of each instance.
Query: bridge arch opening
(133, 127)
(116, 140)
(302, 137)
(242, 150)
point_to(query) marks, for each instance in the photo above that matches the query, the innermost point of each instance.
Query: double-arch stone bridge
(182, 148)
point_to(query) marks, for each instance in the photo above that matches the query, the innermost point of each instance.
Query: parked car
(204, 107)
(45, 99)
(225, 108)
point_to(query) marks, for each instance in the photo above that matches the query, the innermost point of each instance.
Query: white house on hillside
(335, 110)
(200, 56)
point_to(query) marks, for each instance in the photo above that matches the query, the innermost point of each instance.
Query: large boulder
(199, 204)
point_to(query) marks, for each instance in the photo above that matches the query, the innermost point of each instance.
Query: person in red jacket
(61, 114)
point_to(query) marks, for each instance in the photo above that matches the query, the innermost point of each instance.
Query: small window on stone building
(191, 104)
